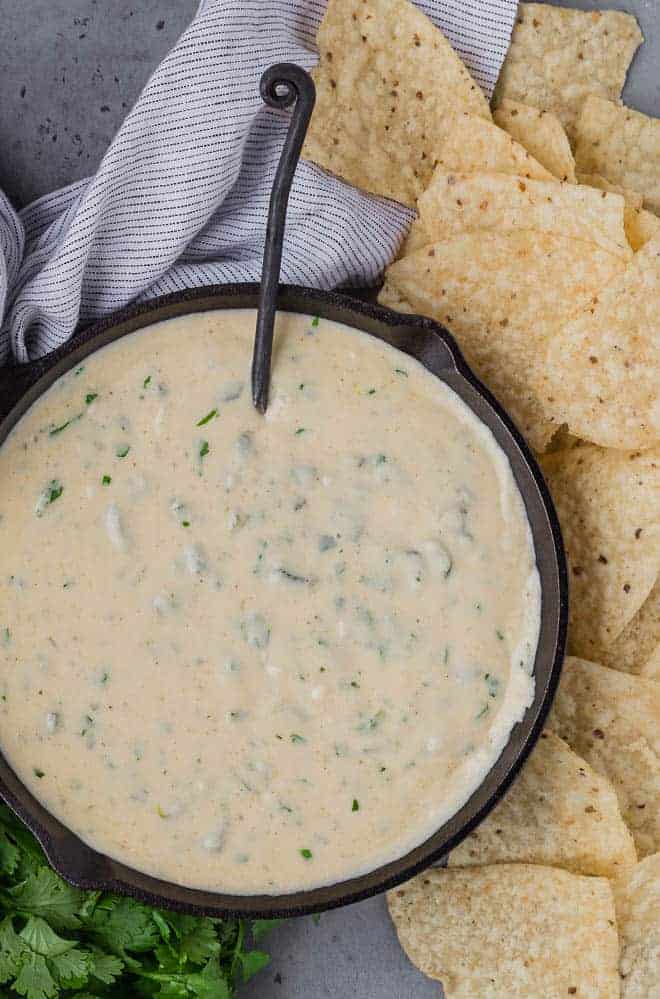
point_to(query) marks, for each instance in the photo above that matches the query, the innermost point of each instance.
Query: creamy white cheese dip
(258, 654)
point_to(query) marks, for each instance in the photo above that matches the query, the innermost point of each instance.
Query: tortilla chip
(390, 298)
(502, 295)
(602, 369)
(558, 57)
(455, 203)
(651, 668)
(613, 721)
(641, 226)
(472, 145)
(637, 649)
(608, 508)
(559, 812)
(621, 145)
(632, 198)
(633, 206)
(541, 133)
(386, 84)
(510, 930)
(637, 903)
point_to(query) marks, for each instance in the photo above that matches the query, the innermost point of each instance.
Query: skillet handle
(281, 86)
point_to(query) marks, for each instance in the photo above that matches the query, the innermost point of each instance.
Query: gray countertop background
(69, 71)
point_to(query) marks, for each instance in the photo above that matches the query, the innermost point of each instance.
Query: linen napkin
(181, 196)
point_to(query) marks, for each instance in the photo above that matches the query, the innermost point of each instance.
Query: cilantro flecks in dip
(258, 654)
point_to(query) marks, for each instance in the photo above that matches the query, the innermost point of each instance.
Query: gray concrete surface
(69, 70)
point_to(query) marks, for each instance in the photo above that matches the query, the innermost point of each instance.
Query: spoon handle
(281, 86)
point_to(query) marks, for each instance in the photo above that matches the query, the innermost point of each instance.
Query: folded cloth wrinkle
(180, 198)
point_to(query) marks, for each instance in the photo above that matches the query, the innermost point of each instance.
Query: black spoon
(281, 86)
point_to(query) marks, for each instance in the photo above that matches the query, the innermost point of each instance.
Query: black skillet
(435, 348)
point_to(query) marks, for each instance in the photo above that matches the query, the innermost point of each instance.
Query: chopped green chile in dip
(297, 688)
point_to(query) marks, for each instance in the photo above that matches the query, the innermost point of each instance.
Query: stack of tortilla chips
(537, 244)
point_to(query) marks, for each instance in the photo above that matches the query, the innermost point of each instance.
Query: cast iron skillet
(435, 348)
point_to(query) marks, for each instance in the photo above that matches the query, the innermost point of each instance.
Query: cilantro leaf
(261, 927)
(251, 962)
(121, 925)
(34, 980)
(30, 856)
(9, 854)
(71, 970)
(105, 967)
(12, 950)
(197, 937)
(45, 894)
(41, 939)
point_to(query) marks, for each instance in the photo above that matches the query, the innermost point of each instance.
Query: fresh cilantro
(204, 449)
(315, 321)
(355, 806)
(307, 854)
(58, 430)
(146, 381)
(57, 941)
(123, 450)
(207, 419)
(52, 492)
(90, 397)
(106, 480)
(262, 927)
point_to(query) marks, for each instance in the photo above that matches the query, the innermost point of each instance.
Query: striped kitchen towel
(181, 196)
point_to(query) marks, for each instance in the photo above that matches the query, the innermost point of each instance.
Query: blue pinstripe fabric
(181, 196)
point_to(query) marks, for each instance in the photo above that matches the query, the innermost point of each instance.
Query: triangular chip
(386, 83)
(455, 203)
(510, 930)
(641, 226)
(541, 133)
(621, 145)
(637, 902)
(471, 144)
(608, 506)
(637, 649)
(632, 198)
(613, 721)
(559, 812)
(502, 295)
(558, 56)
(651, 668)
(632, 208)
(602, 371)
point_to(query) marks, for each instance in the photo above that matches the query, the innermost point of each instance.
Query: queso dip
(258, 654)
